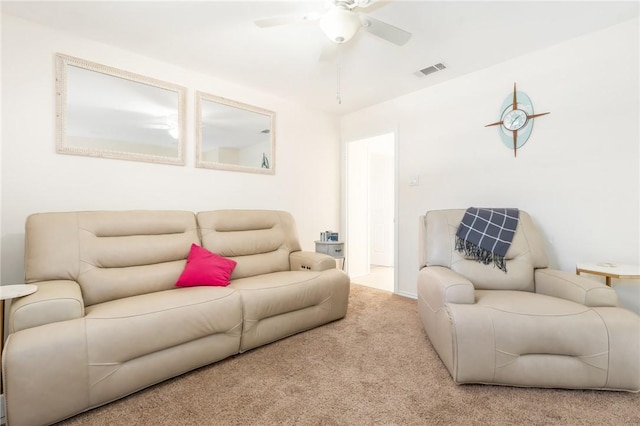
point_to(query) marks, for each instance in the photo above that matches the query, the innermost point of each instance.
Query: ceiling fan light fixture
(340, 24)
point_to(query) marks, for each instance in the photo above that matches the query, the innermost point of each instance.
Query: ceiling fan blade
(371, 5)
(362, 3)
(385, 31)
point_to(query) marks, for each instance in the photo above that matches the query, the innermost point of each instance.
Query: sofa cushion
(205, 268)
(111, 254)
(259, 240)
(283, 303)
(122, 330)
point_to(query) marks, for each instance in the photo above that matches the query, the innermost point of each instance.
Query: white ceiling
(221, 39)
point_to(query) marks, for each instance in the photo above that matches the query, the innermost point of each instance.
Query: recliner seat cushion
(507, 336)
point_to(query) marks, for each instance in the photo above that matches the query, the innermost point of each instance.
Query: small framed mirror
(111, 113)
(234, 136)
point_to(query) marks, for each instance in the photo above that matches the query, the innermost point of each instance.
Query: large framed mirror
(234, 136)
(111, 113)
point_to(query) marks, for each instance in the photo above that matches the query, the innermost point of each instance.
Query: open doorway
(370, 211)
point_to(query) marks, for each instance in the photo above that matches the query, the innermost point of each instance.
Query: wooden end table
(609, 270)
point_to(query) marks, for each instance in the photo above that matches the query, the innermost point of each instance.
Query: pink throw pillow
(205, 268)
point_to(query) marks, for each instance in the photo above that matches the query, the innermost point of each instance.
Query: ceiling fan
(341, 22)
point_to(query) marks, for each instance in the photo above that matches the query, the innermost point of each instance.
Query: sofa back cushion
(526, 252)
(111, 254)
(258, 240)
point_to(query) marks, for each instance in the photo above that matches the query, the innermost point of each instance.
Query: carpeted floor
(375, 366)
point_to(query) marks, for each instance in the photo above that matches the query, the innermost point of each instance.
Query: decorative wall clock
(516, 120)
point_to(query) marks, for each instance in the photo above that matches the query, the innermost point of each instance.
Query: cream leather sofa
(532, 326)
(107, 319)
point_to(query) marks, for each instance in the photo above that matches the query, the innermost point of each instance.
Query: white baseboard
(409, 295)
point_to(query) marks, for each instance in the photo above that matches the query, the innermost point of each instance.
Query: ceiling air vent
(431, 69)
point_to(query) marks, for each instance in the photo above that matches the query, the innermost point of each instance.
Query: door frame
(345, 192)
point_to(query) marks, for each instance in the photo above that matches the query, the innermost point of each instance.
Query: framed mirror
(234, 136)
(111, 113)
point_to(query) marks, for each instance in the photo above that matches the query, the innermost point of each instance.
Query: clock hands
(537, 115)
(527, 118)
(494, 124)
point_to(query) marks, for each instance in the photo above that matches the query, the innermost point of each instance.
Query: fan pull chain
(338, 96)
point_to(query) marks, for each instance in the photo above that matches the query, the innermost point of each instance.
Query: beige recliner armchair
(532, 326)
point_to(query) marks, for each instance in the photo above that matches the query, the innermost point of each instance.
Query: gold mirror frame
(106, 112)
(234, 136)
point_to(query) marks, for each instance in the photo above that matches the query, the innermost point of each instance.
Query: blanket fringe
(479, 254)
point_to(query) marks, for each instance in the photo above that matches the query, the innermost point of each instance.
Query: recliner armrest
(575, 288)
(442, 285)
(58, 300)
(310, 261)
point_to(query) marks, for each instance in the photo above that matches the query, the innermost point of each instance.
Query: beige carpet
(375, 366)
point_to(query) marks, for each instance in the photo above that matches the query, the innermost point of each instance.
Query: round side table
(609, 270)
(16, 290)
(11, 292)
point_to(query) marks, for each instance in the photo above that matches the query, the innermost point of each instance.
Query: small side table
(11, 292)
(609, 270)
(334, 249)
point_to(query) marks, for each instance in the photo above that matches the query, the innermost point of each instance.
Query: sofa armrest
(310, 261)
(440, 285)
(575, 288)
(59, 300)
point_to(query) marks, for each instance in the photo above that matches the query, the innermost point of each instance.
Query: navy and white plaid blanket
(486, 234)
